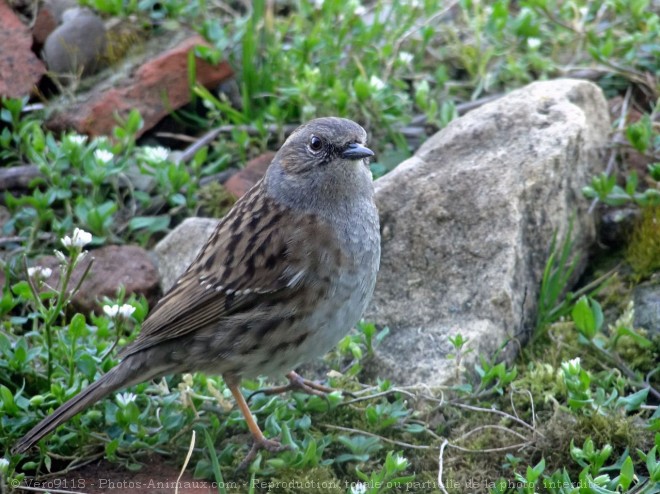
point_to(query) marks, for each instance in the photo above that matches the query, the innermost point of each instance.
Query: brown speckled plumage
(285, 275)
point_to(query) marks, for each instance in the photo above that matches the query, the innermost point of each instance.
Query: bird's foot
(271, 445)
(296, 383)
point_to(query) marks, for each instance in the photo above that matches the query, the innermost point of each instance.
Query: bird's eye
(315, 144)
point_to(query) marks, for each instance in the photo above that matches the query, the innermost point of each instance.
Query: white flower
(60, 255)
(572, 367)
(111, 310)
(533, 43)
(376, 83)
(356, 7)
(155, 153)
(125, 311)
(39, 272)
(80, 238)
(103, 155)
(358, 488)
(406, 57)
(124, 399)
(4, 465)
(401, 462)
(76, 139)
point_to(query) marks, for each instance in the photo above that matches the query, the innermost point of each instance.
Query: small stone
(77, 47)
(49, 16)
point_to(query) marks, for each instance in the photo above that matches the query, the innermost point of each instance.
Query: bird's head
(325, 159)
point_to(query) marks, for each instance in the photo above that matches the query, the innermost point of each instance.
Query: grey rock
(174, 253)
(647, 306)
(78, 45)
(616, 225)
(467, 223)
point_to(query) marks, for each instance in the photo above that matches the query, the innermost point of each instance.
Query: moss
(643, 252)
(214, 200)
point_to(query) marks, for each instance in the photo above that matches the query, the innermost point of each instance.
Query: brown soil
(156, 477)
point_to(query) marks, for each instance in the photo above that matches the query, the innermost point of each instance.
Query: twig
(489, 426)
(185, 463)
(440, 462)
(18, 177)
(490, 450)
(498, 412)
(365, 433)
(378, 395)
(74, 466)
(38, 489)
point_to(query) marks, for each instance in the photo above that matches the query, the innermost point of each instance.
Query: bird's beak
(356, 152)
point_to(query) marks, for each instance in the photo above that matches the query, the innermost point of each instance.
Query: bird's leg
(296, 383)
(260, 441)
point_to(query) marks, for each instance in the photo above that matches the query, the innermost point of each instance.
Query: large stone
(20, 69)
(179, 248)
(467, 223)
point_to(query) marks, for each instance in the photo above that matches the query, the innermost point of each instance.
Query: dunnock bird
(287, 272)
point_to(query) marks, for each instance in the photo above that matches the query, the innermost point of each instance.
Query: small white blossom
(124, 399)
(76, 139)
(155, 154)
(103, 155)
(60, 256)
(359, 488)
(376, 83)
(125, 311)
(80, 238)
(533, 43)
(39, 272)
(401, 462)
(111, 310)
(356, 7)
(572, 366)
(406, 57)
(4, 466)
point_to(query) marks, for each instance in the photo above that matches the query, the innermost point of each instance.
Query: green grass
(578, 405)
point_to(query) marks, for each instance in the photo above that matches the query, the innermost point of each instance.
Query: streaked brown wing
(246, 260)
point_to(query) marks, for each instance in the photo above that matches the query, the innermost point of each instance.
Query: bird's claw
(270, 445)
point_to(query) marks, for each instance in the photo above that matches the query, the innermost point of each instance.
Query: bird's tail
(123, 375)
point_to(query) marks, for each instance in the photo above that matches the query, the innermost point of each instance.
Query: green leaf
(627, 473)
(7, 404)
(77, 326)
(588, 316)
(634, 401)
(152, 224)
